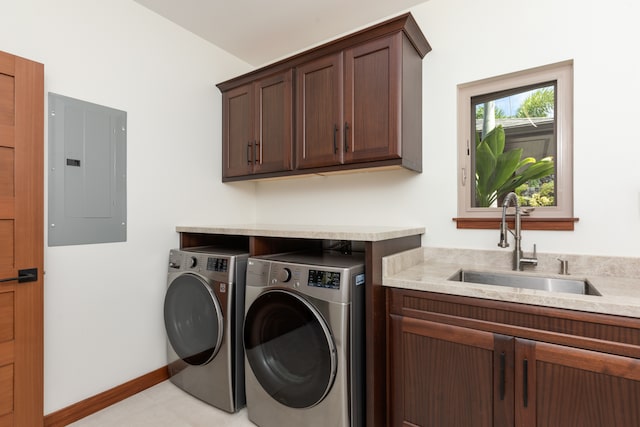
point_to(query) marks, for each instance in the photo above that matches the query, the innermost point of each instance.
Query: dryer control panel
(324, 279)
(328, 282)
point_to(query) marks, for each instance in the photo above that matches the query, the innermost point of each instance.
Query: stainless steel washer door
(289, 349)
(193, 319)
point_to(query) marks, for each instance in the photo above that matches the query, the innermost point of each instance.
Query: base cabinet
(443, 375)
(452, 367)
(564, 386)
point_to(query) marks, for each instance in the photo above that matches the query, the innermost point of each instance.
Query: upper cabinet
(257, 126)
(373, 101)
(350, 107)
(319, 98)
(356, 102)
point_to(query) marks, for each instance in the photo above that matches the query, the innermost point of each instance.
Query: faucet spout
(518, 257)
(510, 198)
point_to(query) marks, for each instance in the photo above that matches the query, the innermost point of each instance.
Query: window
(515, 133)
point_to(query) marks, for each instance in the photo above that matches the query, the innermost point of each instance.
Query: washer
(203, 313)
(304, 340)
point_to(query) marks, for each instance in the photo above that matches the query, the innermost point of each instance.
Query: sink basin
(550, 284)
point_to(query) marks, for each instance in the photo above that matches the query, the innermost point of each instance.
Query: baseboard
(100, 401)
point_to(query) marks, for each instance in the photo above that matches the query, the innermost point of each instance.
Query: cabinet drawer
(598, 332)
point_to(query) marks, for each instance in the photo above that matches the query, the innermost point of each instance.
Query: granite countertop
(333, 232)
(427, 269)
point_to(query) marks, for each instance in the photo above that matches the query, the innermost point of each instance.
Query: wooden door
(274, 124)
(21, 241)
(238, 141)
(372, 100)
(319, 92)
(559, 386)
(443, 375)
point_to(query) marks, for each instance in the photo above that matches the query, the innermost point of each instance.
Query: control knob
(284, 275)
(193, 262)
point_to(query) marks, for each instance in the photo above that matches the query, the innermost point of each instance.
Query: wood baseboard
(100, 401)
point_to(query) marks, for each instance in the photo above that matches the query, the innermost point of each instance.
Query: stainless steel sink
(550, 284)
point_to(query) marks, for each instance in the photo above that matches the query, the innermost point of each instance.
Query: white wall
(599, 36)
(103, 303)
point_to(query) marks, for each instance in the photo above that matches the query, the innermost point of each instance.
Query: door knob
(24, 276)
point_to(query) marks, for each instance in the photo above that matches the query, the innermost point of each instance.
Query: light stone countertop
(427, 269)
(332, 232)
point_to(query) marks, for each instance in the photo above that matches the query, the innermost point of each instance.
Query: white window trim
(561, 72)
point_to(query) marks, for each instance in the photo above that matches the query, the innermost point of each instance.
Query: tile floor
(164, 405)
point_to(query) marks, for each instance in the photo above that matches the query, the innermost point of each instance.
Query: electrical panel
(87, 172)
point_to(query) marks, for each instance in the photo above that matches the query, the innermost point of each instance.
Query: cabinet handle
(346, 143)
(249, 153)
(335, 141)
(256, 144)
(502, 374)
(525, 382)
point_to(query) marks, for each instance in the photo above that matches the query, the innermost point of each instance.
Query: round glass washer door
(290, 349)
(193, 319)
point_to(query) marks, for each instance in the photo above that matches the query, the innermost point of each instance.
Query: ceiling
(261, 31)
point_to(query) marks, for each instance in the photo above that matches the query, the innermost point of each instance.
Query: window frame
(562, 213)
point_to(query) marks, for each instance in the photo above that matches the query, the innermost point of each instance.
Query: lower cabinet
(452, 364)
(565, 386)
(443, 375)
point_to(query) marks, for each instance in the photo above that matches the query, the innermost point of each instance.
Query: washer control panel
(218, 264)
(212, 265)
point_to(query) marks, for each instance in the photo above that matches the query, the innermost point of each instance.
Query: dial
(284, 275)
(193, 262)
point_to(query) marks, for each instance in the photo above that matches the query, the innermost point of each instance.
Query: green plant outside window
(515, 142)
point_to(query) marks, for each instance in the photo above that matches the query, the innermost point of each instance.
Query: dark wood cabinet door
(238, 150)
(258, 126)
(570, 387)
(274, 125)
(443, 375)
(319, 91)
(373, 73)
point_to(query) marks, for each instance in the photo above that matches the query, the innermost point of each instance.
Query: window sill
(528, 223)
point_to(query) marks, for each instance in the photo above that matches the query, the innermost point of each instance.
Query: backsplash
(591, 265)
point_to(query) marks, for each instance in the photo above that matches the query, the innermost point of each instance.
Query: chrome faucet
(518, 257)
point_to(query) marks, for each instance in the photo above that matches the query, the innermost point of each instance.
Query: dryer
(203, 314)
(304, 340)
